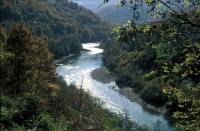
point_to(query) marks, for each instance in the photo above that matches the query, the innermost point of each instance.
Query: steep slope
(114, 14)
(65, 24)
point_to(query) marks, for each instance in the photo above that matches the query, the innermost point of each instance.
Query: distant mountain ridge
(120, 15)
(113, 13)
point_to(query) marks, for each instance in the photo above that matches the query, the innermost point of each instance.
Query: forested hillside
(120, 15)
(161, 62)
(34, 98)
(154, 64)
(65, 24)
(115, 15)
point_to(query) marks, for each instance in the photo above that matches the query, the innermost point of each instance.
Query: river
(79, 68)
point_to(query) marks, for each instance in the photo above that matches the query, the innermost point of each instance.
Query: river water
(79, 68)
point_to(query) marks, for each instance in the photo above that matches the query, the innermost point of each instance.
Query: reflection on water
(80, 68)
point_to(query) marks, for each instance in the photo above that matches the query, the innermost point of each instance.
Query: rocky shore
(103, 75)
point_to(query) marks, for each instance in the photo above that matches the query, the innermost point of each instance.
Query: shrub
(137, 85)
(17, 128)
(154, 95)
(8, 109)
(28, 107)
(46, 122)
(146, 58)
(165, 51)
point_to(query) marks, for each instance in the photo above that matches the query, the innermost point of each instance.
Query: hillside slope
(120, 15)
(161, 62)
(113, 13)
(65, 24)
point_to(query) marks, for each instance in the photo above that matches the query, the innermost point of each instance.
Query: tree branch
(180, 16)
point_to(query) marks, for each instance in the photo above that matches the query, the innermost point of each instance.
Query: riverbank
(135, 97)
(103, 75)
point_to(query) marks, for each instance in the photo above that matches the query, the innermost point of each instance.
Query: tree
(190, 67)
(4, 60)
(41, 62)
(176, 64)
(185, 108)
(32, 62)
(18, 44)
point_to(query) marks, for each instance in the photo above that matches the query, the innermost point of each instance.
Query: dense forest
(64, 23)
(161, 62)
(34, 98)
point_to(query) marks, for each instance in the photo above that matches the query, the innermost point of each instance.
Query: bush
(146, 59)
(16, 113)
(165, 51)
(17, 128)
(137, 85)
(29, 106)
(153, 95)
(8, 109)
(46, 122)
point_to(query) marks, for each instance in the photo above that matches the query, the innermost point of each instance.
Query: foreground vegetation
(33, 98)
(64, 23)
(161, 62)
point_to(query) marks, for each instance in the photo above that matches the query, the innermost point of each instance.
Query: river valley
(77, 70)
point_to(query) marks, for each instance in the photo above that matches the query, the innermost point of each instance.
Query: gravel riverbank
(102, 75)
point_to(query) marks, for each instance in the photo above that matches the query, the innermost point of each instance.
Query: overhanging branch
(187, 21)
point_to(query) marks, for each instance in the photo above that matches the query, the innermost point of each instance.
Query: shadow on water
(68, 60)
